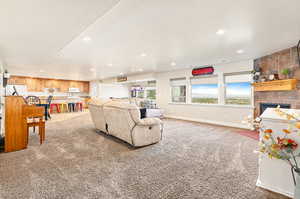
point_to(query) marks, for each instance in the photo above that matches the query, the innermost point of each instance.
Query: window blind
(205, 80)
(238, 78)
(178, 82)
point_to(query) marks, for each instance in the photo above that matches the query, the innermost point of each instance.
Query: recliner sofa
(123, 120)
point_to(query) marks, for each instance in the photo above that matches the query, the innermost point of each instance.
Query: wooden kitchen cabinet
(15, 80)
(48, 83)
(52, 83)
(86, 87)
(32, 84)
(39, 84)
(81, 86)
(64, 85)
(74, 84)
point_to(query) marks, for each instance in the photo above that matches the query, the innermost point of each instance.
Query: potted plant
(286, 72)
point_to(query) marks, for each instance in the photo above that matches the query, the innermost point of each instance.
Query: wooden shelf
(276, 85)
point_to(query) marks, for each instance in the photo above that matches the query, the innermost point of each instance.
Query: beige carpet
(192, 161)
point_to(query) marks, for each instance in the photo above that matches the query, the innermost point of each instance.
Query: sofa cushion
(98, 101)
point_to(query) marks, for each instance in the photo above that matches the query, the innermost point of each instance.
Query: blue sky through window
(241, 89)
(205, 90)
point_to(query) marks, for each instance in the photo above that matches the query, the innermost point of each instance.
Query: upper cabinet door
(74, 84)
(86, 88)
(64, 85)
(49, 83)
(31, 84)
(40, 85)
(13, 80)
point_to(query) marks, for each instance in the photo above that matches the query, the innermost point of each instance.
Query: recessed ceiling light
(220, 32)
(86, 39)
(173, 64)
(241, 51)
(109, 65)
(143, 54)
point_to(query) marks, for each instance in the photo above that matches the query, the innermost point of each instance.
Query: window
(238, 89)
(151, 94)
(204, 90)
(178, 90)
(140, 93)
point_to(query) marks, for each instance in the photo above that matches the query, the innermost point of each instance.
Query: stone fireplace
(276, 62)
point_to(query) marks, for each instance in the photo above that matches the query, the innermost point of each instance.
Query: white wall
(94, 88)
(228, 115)
(113, 90)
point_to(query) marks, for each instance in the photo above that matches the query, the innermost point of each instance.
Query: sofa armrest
(149, 121)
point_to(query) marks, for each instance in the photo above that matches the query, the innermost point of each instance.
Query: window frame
(221, 91)
(251, 91)
(186, 90)
(204, 77)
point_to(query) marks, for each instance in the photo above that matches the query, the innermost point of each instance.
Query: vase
(297, 186)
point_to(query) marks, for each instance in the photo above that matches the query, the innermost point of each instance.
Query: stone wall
(276, 62)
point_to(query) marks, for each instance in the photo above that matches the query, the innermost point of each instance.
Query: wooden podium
(16, 128)
(15, 134)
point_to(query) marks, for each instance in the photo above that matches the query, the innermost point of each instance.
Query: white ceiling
(47, 37)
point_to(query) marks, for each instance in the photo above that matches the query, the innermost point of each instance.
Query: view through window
(151, 94)
(178, 90)
(238, 89)
(140, 94)
(204, 90)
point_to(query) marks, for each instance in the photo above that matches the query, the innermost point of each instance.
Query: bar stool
(79, 106)
(71, 107)
(63, 107)
(54, 107)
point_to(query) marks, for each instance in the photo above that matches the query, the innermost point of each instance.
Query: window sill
(214, 105)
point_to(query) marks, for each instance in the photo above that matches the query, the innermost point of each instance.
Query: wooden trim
(276, 85)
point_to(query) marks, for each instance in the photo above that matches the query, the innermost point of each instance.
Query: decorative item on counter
(263, 79)
(283, 147)
(286, 72)
(256, 73)
(256, 78)
(273, 77)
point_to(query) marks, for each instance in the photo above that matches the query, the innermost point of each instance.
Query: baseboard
(274, 189)
(229, 124)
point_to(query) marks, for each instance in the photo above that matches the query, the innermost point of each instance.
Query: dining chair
(34, 117)
(33, 100)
